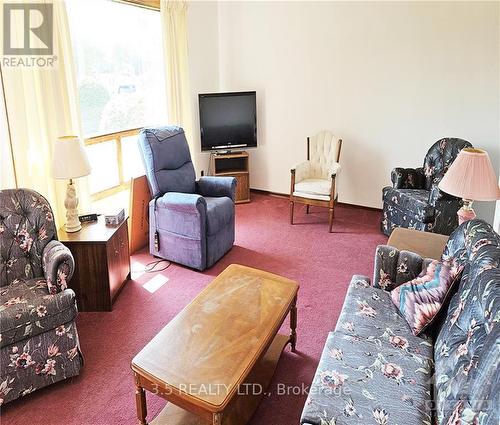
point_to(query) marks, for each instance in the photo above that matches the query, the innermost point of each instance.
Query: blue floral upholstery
(408, 178)
(191, 222)
(414, 201)
(394, 267)
(468, 343)
(373, 370)
(369, 314)
(38, 338)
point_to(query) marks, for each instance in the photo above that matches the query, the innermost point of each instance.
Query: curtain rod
(146, 4)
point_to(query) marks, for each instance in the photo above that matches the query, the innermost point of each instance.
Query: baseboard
(268, 192)
(364, 207)
(286, 196)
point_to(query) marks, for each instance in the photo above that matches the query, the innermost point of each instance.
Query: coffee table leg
(140, 401)
(217, 419)
(293, 324)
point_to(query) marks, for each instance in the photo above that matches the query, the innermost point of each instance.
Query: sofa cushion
(421, 299)
(27, 309)
(414, 202)
(368, 314)
(358, 382)
(220, 212)
(468, 342)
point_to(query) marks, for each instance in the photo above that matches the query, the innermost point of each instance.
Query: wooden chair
(313, 182)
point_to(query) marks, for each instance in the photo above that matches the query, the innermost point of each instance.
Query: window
(121, 84)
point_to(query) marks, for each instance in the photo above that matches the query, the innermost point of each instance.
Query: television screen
(228, 120)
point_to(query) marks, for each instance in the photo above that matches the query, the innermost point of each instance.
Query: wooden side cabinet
(102, 263)
(233, 165)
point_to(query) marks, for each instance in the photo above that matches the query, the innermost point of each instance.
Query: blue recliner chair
(190, 222)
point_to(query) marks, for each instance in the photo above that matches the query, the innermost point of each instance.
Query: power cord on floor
(151, 267)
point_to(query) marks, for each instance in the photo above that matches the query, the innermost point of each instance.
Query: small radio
(87, 218)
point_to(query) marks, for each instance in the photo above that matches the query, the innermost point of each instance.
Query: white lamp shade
(471, 176)
(69, 159)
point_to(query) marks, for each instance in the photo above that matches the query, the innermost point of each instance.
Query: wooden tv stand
(233, 165)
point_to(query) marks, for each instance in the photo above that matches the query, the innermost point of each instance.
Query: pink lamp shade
(471, 176)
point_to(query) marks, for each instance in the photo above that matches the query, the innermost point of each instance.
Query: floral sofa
(38, 338)
(415, 201)
(373, 370)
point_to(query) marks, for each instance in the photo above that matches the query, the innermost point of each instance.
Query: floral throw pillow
(420, 299)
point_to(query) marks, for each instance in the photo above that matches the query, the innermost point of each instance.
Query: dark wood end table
(102, 263)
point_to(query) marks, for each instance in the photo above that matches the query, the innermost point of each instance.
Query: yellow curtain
(7, 174)
(42, 105)
(175, 46)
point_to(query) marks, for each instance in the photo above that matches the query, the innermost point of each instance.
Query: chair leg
(330, 219)
(307, 209)
(291, 212)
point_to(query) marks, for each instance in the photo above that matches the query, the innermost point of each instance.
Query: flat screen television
(228, 120)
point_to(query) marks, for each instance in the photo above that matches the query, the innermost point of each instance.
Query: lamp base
(71, 203)
(72, 229)
(466, 213)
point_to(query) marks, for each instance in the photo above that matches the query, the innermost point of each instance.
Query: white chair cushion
(310, 196)
(313, 187)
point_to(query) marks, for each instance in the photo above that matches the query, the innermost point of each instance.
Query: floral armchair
(38, 338)
(415, 201)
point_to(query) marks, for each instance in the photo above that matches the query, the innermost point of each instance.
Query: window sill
(112, 203)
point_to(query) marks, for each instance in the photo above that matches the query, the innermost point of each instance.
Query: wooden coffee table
(227, 338)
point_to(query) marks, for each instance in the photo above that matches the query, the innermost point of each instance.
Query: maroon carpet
(322, 263)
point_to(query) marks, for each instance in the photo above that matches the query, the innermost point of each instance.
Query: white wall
(496, 220)
(390, 78)
(203, 48)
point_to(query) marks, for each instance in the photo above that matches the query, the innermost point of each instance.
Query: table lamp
(472, 178)
(69, 161)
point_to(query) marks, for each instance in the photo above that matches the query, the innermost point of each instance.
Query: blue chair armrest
(217, 187)
(182, 202)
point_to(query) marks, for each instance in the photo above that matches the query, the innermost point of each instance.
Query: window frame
(117, 138)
